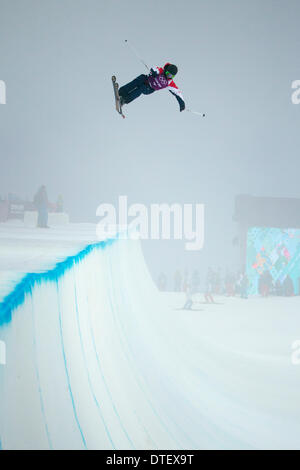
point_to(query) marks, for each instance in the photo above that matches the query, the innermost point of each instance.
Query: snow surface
(97, 358)
(26, 250)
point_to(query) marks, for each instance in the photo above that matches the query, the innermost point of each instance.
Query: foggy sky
(236, 61)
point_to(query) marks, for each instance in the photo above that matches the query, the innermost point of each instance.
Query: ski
(117, 97)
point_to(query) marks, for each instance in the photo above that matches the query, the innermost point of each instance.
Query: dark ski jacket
(157, 81)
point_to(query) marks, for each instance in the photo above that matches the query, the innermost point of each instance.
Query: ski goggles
(170, 75)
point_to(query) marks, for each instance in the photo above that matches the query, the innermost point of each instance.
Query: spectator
(41, 203)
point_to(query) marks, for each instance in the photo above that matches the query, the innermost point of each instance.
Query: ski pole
(136, 54)
(195, 112)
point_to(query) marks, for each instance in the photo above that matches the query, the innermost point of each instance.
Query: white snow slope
(97, 358)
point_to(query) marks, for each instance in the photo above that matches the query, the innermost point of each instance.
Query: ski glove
(153, 73)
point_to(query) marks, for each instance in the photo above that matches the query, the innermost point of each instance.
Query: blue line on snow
(17, 297)
(67, 373)
(87, 369)
(38, 378)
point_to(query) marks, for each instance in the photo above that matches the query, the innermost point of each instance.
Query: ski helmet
(171, 69)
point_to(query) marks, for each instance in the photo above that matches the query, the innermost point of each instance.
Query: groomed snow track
(96, 359)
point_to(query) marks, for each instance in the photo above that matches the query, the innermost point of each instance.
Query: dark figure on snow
(41, 203)
(159, 78)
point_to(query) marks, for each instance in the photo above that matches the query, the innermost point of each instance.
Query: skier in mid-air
(159, 78)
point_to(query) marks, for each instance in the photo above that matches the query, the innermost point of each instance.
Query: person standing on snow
(159, 78)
